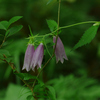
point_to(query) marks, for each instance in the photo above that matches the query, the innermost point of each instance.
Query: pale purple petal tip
(28, 57)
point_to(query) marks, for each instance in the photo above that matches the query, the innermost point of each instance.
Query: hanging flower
(37, 57)
(28, 57)
(59, 50)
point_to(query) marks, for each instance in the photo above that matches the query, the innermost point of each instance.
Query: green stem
(54, 47)
(63, 27)
(3, 42)
(87, 22)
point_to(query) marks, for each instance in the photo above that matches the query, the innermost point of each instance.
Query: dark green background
(81, 73)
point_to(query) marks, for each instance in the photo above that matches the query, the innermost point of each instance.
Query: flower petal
(59, 51)
(28, 57)
(38, 56)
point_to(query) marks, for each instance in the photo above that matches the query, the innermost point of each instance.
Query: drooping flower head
(59, 50)
(28, 57)
(37, 57)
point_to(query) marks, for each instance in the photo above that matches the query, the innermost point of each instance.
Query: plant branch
(14, 69)
(3, 41)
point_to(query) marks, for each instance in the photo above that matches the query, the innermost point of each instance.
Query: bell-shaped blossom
(28, 57)
(59, 50)
(37, 57)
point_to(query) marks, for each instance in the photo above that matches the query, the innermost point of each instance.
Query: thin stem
(80, 23)
(57, 27)
(42, 69)
(3, 41)
(77, 24)
(54, 47)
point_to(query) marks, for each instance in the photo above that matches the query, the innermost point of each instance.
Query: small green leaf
(14, 19)
(30, 30)
(40, 82)
(30, 97)
(52, 25)
(52, 92)
(13, 30)
(7, 32)
(49, 1)
(3, 25)
(87, 36)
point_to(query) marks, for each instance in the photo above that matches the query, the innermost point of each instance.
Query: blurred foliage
(81, 88)
(83, 63)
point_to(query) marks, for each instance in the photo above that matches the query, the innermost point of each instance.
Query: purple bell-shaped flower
(59, 50)
(37, 57)
(28, 57)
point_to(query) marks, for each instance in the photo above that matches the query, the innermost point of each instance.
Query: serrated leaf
(52, 25)
(30, 97)
(49, 1)
(13, 30)
(14, 19)
(52, 92)
(87, 36)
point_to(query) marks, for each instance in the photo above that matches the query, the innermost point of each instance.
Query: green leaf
(4, 52)
(13, 30)
(87, 36)
(36, 88)
(25, 76)
(52, 25)
(52, 92)
(9, 59)
(14, 19)
(49, 1)
(1, 57)
(14, 92)
(7, 72)
(30, 97)
(3, 25)
(40, 91)
(40, 82)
